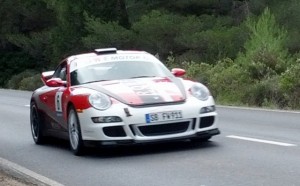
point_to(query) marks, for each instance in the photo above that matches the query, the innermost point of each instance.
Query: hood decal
(142, 91)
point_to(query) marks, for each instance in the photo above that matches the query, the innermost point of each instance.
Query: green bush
(265, 93)
(195, 71)
(12, 64)
(228, 82)
(27, 80)
(200, 72)
(290, 85)
(31, 83)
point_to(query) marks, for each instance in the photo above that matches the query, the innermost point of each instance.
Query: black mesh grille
(163, 129)
(116, 131)
(207, 121)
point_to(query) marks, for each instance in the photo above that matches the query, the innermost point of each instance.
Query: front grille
(207, 121)
(164, 129)
(116, 131)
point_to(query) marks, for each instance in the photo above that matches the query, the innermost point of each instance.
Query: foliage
(191, 38)
(35, 44)
(289, 19)
(108, 11)
(290, 85)
(235, 47)
(200, 72)
(229, 81)
(27, 80)
(156, 32)
(212, 44)
(69, 26)
(265, 93)
(31, 83)
(265, 54)
(196, 71)
(22, 17)
(105, 34)
(14, 63)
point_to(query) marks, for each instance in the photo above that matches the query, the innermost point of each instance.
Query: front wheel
(36, 123)
(75, 138)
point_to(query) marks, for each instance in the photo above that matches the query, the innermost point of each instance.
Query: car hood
(142, 91)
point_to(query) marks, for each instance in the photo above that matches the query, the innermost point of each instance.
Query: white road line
(27, 105)
(262, 141)
(37, 179)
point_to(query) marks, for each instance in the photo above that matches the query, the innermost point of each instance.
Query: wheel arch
(69, 105)
(33, 101)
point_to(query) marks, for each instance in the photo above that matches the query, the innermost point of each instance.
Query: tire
(37, 125)
(74, 130)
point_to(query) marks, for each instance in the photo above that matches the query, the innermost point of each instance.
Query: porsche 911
(120, 97)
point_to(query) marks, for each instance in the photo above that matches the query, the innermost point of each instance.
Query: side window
(61, 72)
(74, 78)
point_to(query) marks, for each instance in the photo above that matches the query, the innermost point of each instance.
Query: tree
(108, 10)
(265, 53)
(101, 34)
(22, 17)
(156, 32)
(289, 18)
(265, 59)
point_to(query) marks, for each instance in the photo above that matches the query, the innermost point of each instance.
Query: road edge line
(25, 174)
(259, 109)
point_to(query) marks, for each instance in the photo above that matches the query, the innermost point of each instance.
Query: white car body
(120, 97)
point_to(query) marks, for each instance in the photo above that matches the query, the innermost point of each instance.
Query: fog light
(207, 109)
(106, 119)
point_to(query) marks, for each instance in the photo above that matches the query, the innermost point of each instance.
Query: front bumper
(134, 129)
(204, 134)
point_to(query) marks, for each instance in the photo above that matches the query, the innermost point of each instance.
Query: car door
(55, 98)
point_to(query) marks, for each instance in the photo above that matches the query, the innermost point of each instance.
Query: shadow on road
(148, 149)
(135, 150)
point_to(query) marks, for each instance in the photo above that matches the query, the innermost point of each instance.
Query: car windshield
(118, 70)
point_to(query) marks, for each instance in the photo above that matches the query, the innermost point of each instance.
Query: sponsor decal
(83, 62)
(143, 90)
(139, 92)
(58, 102)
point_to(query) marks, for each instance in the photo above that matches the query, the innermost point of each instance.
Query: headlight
(99, 101)
(200, 91)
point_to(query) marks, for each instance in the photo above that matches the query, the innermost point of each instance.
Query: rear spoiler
(105, 51)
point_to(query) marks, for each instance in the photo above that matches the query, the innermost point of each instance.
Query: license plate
(163, 116)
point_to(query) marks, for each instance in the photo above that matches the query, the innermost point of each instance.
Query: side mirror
(178, 72)
(55, 82)
(46, 76)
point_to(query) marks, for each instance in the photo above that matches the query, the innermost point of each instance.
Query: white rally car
(111, 96)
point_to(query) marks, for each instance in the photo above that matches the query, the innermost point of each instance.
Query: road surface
(256, 147)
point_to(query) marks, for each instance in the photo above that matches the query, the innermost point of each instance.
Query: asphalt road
(256, 147)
